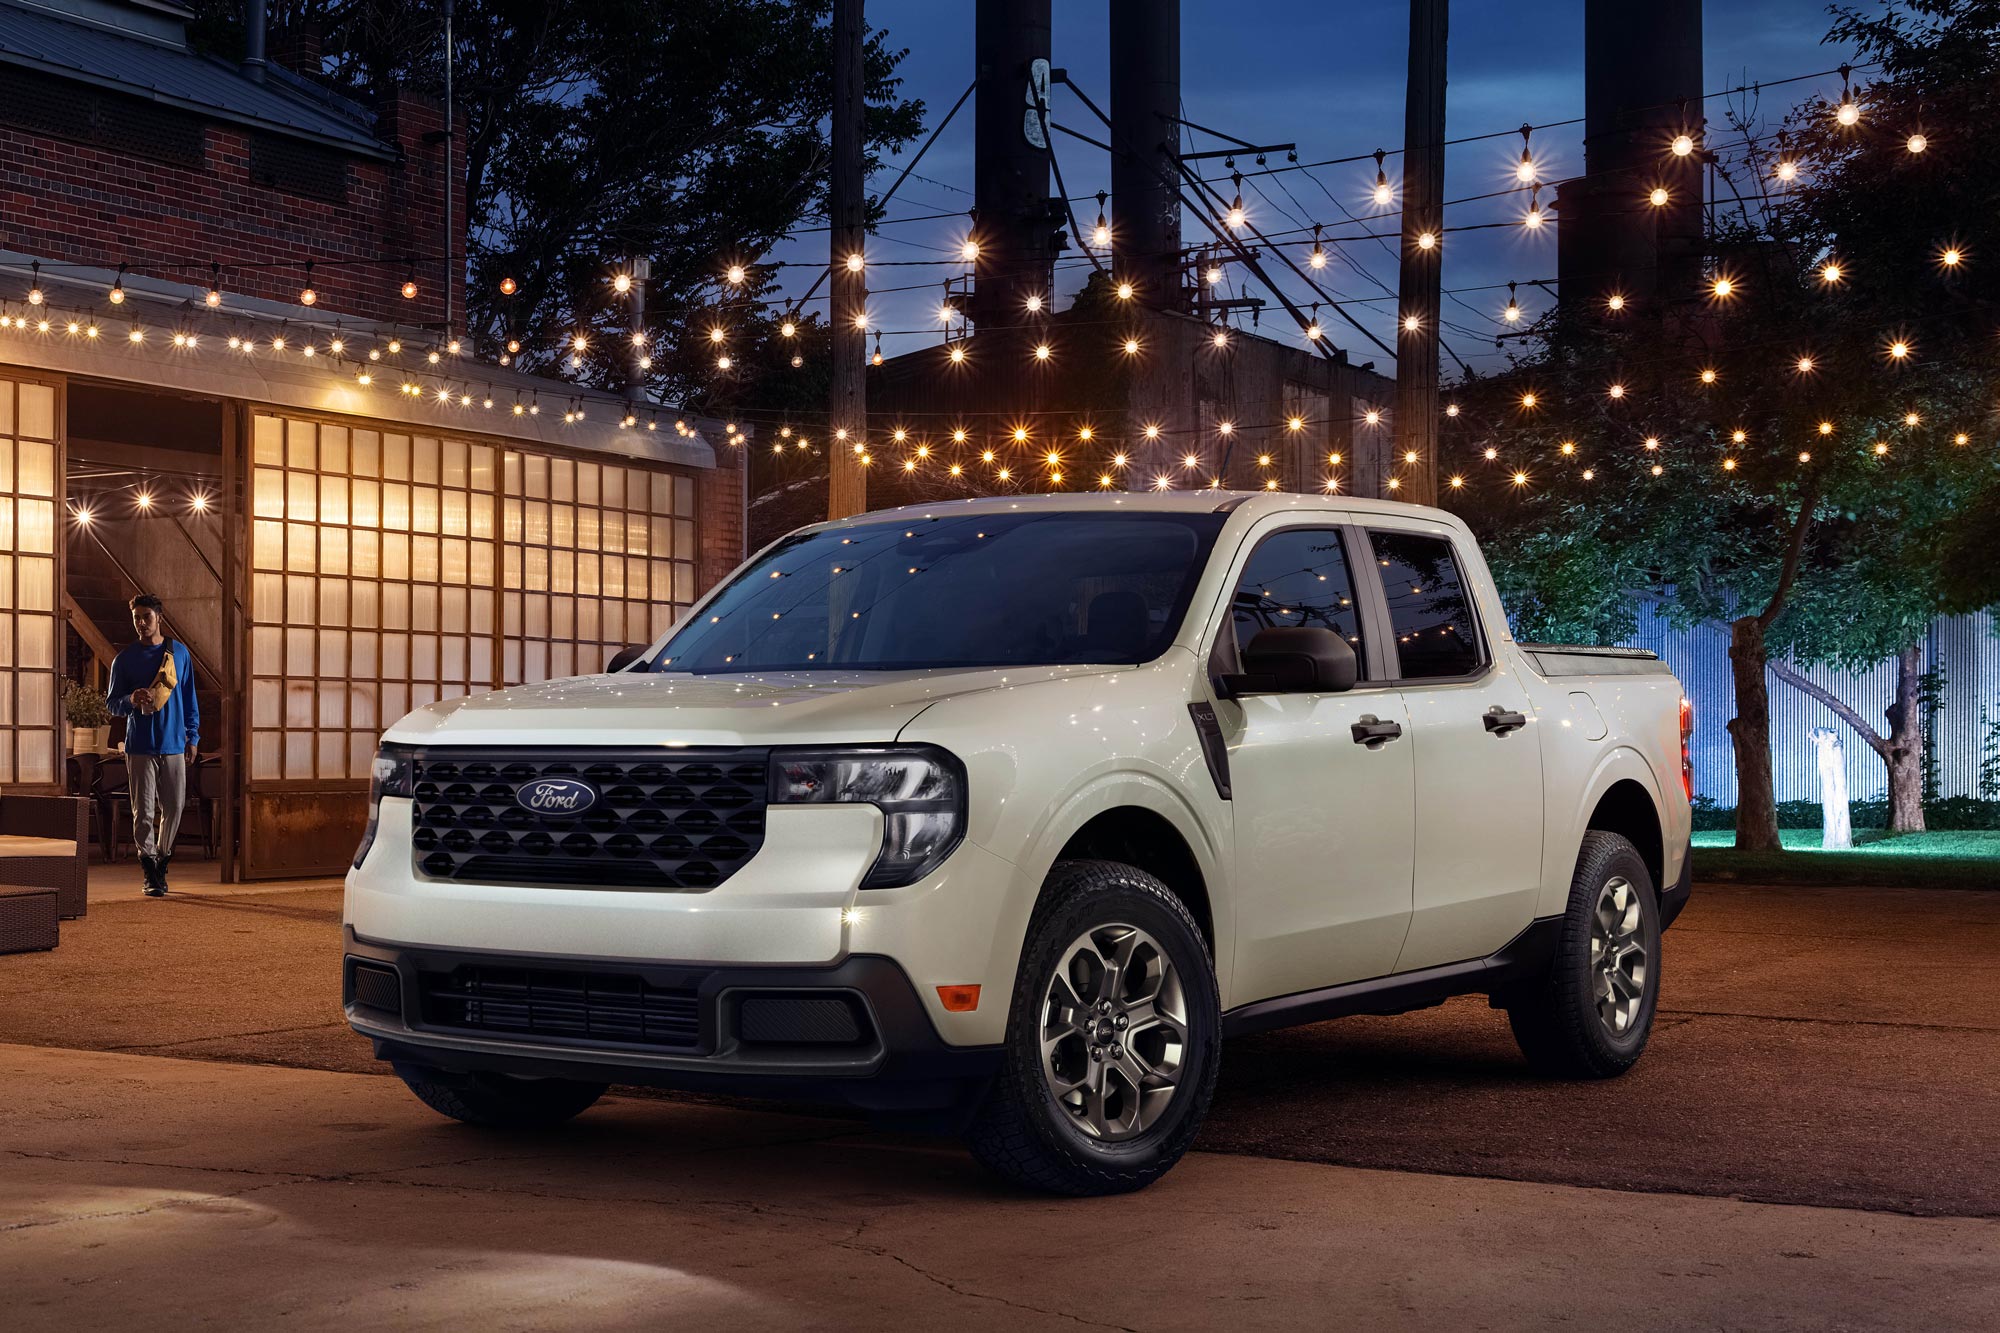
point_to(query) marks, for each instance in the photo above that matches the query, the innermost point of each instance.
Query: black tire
(1557, 1020)
(495, 1101)
(1021, 1131)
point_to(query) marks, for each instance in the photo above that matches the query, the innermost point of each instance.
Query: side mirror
(625, 657)
(1299, 659)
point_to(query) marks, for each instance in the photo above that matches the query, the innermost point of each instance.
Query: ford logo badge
(555, 796)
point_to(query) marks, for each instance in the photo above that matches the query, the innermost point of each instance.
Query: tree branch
(1808, 501)
(1876, 742)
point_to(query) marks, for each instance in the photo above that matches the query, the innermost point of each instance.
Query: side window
(1297, 577)
(1429, 608)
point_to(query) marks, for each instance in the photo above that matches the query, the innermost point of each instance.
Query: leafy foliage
(690, 135)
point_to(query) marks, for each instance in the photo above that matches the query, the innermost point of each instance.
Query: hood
(673, 708)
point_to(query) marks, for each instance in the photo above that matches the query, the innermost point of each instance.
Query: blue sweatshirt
(174, 728)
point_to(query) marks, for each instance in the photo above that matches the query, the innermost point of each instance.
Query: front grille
(562, 1006)
(682, 819)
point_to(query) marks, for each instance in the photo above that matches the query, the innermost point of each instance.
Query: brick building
(174, 415)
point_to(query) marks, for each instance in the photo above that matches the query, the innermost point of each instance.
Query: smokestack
(1641, 89)
(1145, 105)
(255, 22)
(1015, 230)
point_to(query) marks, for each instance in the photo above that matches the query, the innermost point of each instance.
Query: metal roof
(172, 75)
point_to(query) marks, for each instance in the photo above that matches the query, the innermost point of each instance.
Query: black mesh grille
(562, 1006)
(685, 819)
(378, 988)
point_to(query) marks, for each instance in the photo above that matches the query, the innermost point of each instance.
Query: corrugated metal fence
(1962, 647)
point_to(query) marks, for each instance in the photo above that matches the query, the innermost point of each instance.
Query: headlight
(919, 789)
(393, 774)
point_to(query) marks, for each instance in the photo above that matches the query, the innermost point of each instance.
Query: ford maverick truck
(1006, 813)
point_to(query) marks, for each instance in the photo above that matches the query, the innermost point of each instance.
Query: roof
(161, 71)
(1203, 501)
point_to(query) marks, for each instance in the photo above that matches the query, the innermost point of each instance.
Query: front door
(1324, 823)
(1478, 760)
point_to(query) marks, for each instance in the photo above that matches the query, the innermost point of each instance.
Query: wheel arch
(1147, 840)
(1628, 809)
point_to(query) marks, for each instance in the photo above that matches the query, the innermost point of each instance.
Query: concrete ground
(1808, 1141)
(153, 1193)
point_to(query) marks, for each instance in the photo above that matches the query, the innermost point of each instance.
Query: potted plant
(89, 718)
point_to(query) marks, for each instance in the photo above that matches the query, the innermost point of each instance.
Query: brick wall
(84, 204)
(719, 516)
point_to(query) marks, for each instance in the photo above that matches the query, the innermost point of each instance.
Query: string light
(1427, 240)
(1788, 171)
(1616, 391)
(1917, 143)
(1412, 324)
(855, 262)
(1830, 274)
(117, 292)
(1724, 287)
(508, 286)
(970, 250)
(1848, 113)
(1131, 347)
(1898, 350)
(1911, 419)
(1658, 197)
(1961, 439)
(1616, 301)
(307, 296)
(1805, 365)
(35, 286)
(1729, 464)
(1652, 443)
(1683, 145)
(1382, 191)
(1950, 258)
(1042, 351)
(1034, 305)
(1738, 436)
(1707, 375)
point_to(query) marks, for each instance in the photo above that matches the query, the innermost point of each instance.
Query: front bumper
(853, 1032)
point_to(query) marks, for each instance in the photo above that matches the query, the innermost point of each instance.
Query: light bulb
(1427, 240)
(1848, 113)
(1131, 347)
(1616, 391)
(508, 286)
(410, 290)
(1830, 274)
(622, 283)
(1788, 170)
(1041, 351)
(735, 275)
(1658, 196)
(1617, 302)
(1683, 145)
(1124, 291)
(1917, 143)
(854, 262)
(969, 251)
(1724, 287)
(1411, 324)
(1950, 258)
(788, 330)
(1317, 258)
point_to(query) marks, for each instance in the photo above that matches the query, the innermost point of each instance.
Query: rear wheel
(1113, 1038)
(1591, 1016)
(497, 1101)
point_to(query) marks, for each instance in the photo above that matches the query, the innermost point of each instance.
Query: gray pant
(158, 786)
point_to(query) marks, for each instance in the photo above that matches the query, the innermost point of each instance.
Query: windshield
(957, 590)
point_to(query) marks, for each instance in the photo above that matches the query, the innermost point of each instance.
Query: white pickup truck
(1009, 811)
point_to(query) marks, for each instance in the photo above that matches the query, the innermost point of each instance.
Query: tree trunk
(1750, 736)
(1905, 751)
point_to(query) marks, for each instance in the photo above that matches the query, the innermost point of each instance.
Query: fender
(1619, 763)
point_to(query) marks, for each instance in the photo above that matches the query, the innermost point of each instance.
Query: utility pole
(1417, 285)
(847, 481)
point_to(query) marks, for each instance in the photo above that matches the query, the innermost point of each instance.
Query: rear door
(1323, 823)
(1478, 766)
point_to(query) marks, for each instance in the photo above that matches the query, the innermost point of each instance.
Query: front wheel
(1592, 1014)
(497, 1101)
(1113, 1040)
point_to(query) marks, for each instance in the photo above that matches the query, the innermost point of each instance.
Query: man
(152, 687)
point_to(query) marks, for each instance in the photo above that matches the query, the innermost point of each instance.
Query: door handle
(1374, 733)
(1500, 720)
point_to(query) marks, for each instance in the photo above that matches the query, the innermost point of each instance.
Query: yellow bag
(162, 688)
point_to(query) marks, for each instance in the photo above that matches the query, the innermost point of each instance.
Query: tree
(690, 135)
(1791, 451)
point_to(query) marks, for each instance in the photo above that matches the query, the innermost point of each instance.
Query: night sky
(1330, 78)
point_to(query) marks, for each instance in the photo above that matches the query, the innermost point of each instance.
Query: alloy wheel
(1618, 958)
(1114, 1032)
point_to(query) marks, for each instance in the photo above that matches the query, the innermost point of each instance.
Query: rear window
(1429, 607)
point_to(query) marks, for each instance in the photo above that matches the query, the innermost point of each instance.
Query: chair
(204, 795)
(45, 842)
(113, 795)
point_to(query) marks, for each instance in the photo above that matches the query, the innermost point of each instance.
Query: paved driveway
(1821, 1046)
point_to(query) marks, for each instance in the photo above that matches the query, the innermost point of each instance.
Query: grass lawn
(1961, 858)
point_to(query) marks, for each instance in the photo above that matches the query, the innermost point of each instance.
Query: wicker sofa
(45, 841)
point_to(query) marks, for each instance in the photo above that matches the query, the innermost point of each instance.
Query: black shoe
(155, 873)
(161, 863)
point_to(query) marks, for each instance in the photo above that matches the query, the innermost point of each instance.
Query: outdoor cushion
(16, 844)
